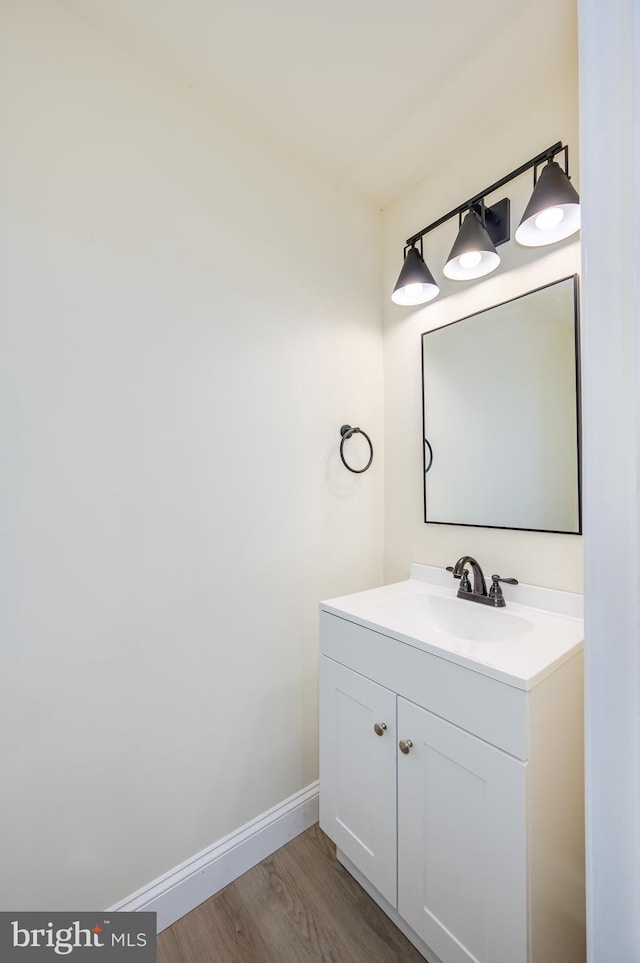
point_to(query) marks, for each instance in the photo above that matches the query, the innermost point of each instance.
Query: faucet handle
(465, 584)
(495, 592)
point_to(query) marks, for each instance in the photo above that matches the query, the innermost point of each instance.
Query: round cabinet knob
(380, 728)
(405, 746)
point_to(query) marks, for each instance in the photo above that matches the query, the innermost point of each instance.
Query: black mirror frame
(427, 453)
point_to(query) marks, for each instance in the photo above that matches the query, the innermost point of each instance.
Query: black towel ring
(346, 432)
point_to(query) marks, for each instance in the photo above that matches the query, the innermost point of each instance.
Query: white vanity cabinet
(358, 747)
(462, 841)
(455, 798)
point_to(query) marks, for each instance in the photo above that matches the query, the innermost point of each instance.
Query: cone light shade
(473, 254)
(415, 285)
(553, 212)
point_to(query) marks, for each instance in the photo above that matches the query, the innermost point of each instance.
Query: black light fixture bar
(545, 155)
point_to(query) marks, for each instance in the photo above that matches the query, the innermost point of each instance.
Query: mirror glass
(501, 415)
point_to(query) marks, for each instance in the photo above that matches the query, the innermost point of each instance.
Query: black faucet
(478, 592)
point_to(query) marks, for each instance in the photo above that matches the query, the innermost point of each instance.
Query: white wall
(610, 116)
(187, 319)
(539, 558)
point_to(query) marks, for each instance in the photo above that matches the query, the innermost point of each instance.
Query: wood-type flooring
(297, 906)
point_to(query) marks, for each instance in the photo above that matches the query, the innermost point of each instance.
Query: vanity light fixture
(415, 284)
(553, 211)
(552, 214)
(474, 252)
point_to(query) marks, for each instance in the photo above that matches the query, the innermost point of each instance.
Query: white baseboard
(182, 889)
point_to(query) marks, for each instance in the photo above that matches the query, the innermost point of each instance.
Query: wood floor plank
(297, 906)
(220, 930)
(293, 933)
(335, 895)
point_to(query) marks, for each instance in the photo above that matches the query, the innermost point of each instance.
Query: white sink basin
(457, 617)
(517, 644)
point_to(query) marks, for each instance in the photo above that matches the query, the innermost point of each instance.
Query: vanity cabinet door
(462, 842)
(358, 772)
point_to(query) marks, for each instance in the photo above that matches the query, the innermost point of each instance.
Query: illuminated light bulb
(413, 290)
(547, 220)
(470, 259)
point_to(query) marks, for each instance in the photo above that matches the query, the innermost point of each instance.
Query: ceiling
(370, 91)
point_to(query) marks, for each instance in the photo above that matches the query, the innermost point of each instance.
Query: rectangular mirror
(501, 415)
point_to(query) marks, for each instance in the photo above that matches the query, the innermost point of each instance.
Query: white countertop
(554, 627)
